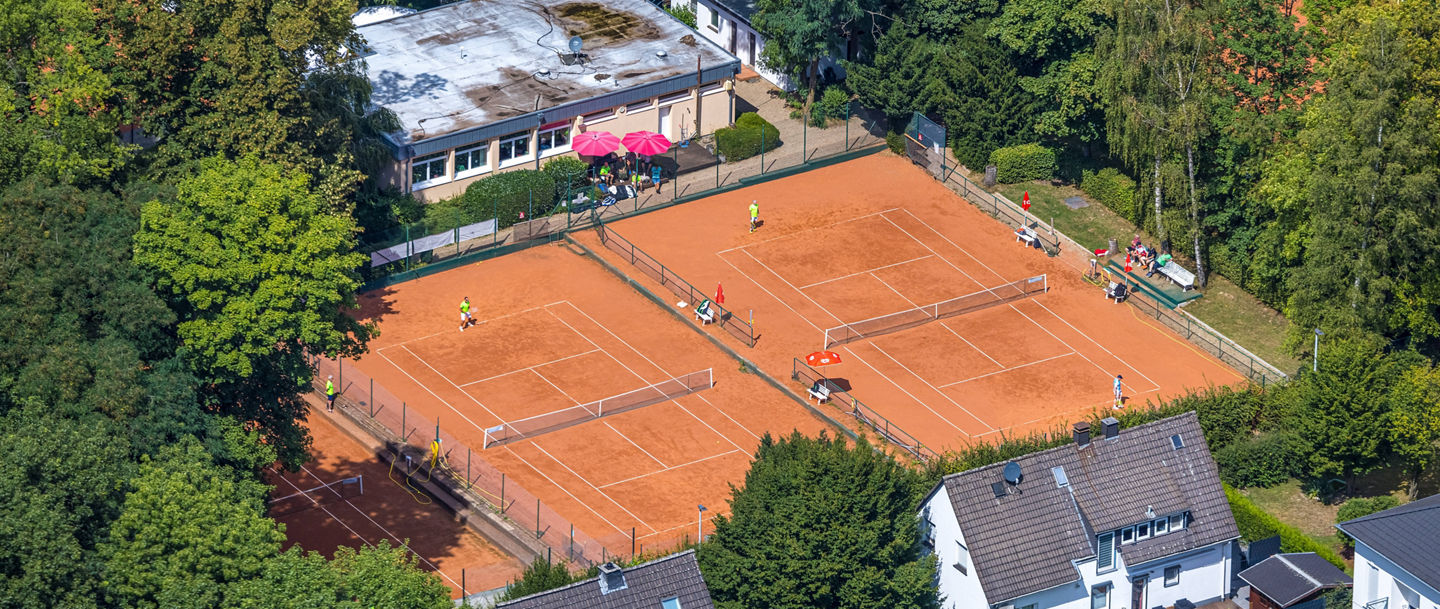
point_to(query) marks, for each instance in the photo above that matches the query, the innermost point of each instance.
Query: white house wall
(704, 9)
(957, 590)
(1380, 583)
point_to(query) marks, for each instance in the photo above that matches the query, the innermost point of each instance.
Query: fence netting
(812, 381)
(688, 293)
(663, 391)
(909, 318)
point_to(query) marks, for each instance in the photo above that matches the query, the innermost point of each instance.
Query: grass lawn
(1225, 307)
(1292, 506)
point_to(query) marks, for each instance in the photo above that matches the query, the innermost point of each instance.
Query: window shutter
(1105, 552)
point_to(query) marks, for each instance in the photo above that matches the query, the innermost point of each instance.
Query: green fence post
(403, 408)
(340, 373)
(372, 398)
(407, 247)
(804, 137)
(762, 149)
(847, 130)
(495, 212)
(532, 205)
(717, 174)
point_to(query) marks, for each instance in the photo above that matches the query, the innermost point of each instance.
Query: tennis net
(311, 498)
(909, 318)
(663, 391)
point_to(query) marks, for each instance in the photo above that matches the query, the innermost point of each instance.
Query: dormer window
(1142, 532)
(1178, 521)
(1127, 535)
(1162, 526)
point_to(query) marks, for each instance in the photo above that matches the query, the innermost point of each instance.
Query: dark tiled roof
(1406, 535)
(677, 575)
(1025, 542)
(1287, 578)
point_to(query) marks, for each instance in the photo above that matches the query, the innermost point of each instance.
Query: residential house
(727, 23)
(481, 86)
(1287, 580)
(673, 582)
(1397, 556)
(1128, 520)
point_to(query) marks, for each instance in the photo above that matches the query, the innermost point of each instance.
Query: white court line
(634, 478)
(367, 517)
(632, 443)
(1062, 341)
(592, 486)
(906, 392)
(557, 387)
(1009, 369)
(792, 286)
(927, 384)
(562, 487)
(1098, 405)
(1102, 347)
(597, 346)
(726, 415)
(431, 392)
(972, 345)
(897, 292)
(789, 235)
(953, 244)
(663, 372)
(683, 526)
(806, 287)
(478, 322)
(553, 361)
(772, 294)
(937, 255)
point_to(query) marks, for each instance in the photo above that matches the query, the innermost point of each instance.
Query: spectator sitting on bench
(1158, 262)
(704, 313)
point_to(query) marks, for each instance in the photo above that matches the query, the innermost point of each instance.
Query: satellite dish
(1013, 474)
(575, 43)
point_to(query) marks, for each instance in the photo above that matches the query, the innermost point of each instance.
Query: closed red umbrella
(646, 143)
(595, 143)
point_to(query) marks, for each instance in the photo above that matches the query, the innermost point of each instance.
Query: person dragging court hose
(465, 319)
(1119, 400)
(754, 215)
(330, 394)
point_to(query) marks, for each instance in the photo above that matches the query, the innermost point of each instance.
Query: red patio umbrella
(822, 358)
(595, 143)
(646, 143)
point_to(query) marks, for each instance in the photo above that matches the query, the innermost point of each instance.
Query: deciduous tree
(1414, 405)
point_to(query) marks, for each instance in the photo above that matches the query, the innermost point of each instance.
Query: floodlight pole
(1315, 353)
(699, 524)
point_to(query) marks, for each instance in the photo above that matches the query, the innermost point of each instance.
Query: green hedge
(507, 195)
(1112, 189)
(570, 175)
(1255, 523)
(1023, 163)
(1264, 460)
(896, 142)
(744, 139)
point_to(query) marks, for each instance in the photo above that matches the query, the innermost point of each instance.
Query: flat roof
(473, 63)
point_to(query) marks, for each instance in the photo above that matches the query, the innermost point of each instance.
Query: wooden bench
(1178, 274)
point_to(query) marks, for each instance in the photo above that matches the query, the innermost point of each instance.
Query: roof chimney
(612, 578)
(1082, 434)
(1112, 427)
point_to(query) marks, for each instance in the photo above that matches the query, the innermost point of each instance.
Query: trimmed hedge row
(1023, 163)
(744, 139)
(1264, 461)
(1112, 189)
(1255, 524)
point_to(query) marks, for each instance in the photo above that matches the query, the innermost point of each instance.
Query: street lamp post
(699, 524)
(1315, 353)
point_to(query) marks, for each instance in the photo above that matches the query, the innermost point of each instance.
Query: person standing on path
(465, 319)
(330, 394)
(754, 215)
(1119, 399)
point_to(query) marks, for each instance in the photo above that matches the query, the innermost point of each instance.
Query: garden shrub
(570, 175)
(508, 195)
(1114, 190)
(1023, 163)
(896, 142)
(1264, 461)
(744, 139)
(834, 103)
(1363, 506)
(1254, 524)
(683, 13)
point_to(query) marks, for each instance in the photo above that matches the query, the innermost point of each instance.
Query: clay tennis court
(386, 510)
(554, 333)
(877, 235)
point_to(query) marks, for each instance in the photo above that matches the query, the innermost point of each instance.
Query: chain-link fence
(1207, 338)
(692, 169)
(819, 387)
(412, 439)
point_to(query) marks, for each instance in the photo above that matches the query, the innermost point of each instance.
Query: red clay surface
(877, 235)
(386, 510)
(554, 329)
